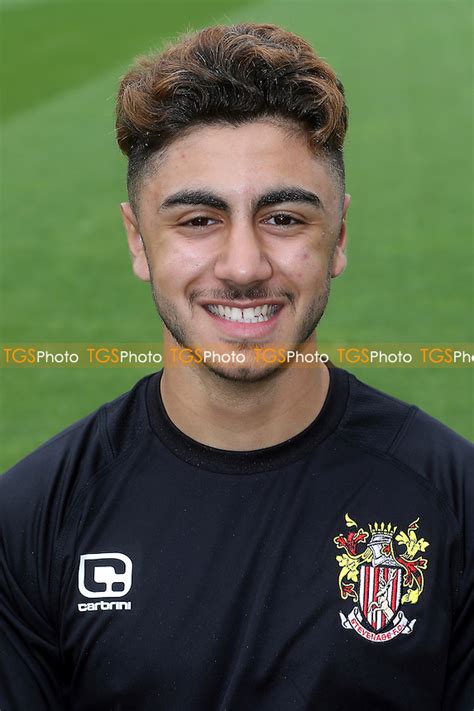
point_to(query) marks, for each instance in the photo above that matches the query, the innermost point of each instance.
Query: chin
(243, 374)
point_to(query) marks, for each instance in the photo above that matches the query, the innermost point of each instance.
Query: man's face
(239, 230)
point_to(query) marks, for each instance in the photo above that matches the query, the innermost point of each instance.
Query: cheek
(304, 266)
(304, 261)
(177, 266)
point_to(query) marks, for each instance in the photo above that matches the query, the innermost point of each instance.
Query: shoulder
(68, 461)
(41, 495)
(375, 418)
(412, 440)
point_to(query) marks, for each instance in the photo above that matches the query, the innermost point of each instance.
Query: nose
(242, 258)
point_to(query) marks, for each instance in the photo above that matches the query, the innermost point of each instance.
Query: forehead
(239, 161)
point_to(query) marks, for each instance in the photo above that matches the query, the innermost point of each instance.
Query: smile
(259, 314)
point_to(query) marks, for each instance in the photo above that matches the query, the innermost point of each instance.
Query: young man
(240, 533)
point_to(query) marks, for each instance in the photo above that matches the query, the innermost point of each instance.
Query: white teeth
(249, 315)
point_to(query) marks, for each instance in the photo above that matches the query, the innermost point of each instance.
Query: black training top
(141, 570)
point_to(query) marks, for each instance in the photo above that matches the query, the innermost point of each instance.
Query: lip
(244, 330)
(249, 304)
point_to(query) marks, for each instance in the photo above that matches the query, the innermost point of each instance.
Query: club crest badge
(379, 579)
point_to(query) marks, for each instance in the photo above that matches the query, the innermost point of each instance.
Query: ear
(339, 260)
(135, 242)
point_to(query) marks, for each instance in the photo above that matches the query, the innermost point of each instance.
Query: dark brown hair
(229, 74)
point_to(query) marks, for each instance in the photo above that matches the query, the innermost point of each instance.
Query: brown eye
(199, 221)
(282, 220)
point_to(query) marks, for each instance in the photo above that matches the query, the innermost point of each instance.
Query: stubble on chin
(243, 373)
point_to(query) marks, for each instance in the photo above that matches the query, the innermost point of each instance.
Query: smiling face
(240, 230)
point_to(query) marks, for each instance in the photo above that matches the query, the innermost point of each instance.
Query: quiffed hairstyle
(229, 74)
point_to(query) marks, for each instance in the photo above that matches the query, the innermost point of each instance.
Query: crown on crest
(381, 528)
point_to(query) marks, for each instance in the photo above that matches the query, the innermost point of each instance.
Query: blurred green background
(407, 71)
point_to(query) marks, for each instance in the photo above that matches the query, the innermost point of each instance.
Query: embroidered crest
(379, 580)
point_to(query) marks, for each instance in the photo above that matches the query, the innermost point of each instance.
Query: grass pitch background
(407, 71)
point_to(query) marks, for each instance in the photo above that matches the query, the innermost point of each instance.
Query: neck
(242, 416)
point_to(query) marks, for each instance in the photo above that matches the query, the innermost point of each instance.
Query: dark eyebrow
(195, 197)
(275, 197)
